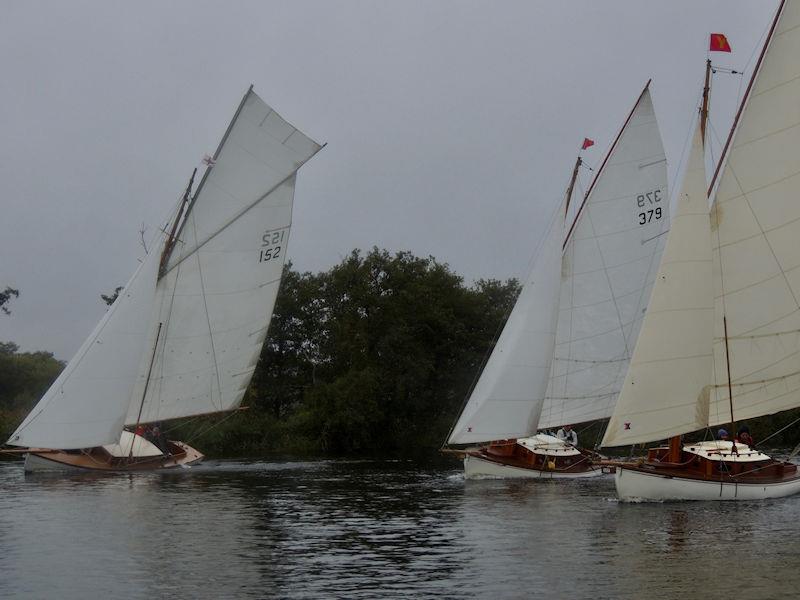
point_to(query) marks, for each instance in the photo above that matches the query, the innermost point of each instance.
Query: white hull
(478, 468)
(635, 486)
(35, 463)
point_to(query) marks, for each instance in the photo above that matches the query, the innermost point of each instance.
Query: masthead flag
(719, 43)
(587, 143)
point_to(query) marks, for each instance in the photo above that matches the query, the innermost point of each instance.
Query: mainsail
(215, 300)
(667, 385)
(755, 262)
(755, 225)
(508, 396)
(185, 341)
(610, 261)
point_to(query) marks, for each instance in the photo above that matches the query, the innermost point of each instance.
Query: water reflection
(350, 529)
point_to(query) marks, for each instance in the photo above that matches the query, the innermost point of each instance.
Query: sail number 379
(648, 202)
(272, 243)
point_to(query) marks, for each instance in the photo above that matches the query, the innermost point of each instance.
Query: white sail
(215, 301)
(666, 389)
(86, 405)
(507, 399)
(756, 240)
(609, 265)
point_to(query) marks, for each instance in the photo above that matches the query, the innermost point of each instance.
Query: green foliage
(5, 298)
(109, 300)
(24, 378)
(375, 355)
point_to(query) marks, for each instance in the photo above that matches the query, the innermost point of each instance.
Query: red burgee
(719, 43)
(587, 143)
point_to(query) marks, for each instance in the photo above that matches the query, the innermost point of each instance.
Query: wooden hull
(537, 457)
(715, 470)
(476, 467)
(97, 460)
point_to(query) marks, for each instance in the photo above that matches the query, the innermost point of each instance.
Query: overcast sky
(452, 127)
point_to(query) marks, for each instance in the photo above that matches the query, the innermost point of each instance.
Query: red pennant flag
(587, 143)
(719, 43)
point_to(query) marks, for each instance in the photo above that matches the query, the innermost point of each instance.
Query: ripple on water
(363, 529)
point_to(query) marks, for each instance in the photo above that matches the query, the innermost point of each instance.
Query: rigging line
(212, 426)
(746, 197)
(766, 367)
(763, 335)
(594, 362)
(746, 95)
(687, 142)
(146, 384)
(757, 45)
(208, 320)
(608, 281)
(589, 397)
(499, 331)
(571, 263)
(167, 319)
(781, 430)
(207, 172)
(79, 359)
(724, 319)
(241, 212)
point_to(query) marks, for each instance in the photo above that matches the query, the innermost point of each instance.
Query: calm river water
(372, 529)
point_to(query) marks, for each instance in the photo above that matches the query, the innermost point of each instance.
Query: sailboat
(563, 351)
(720, 341)
(183, 337)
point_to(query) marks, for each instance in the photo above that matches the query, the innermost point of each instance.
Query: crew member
(745, 437)
(568, 435)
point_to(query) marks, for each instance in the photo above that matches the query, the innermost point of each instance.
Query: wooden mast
(146, 385)
(170, 243)
(578, 164)
(704, 109)
(603, 164)
(703, 122)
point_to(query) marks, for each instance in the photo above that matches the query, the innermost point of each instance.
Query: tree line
(373, 356)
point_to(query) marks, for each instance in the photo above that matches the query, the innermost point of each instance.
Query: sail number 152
(648, 201)
(271, 244)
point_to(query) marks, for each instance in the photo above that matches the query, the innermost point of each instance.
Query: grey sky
(452, 127)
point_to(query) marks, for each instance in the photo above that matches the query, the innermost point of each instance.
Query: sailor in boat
(158, 438)
(567, 434)
(744, 436)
